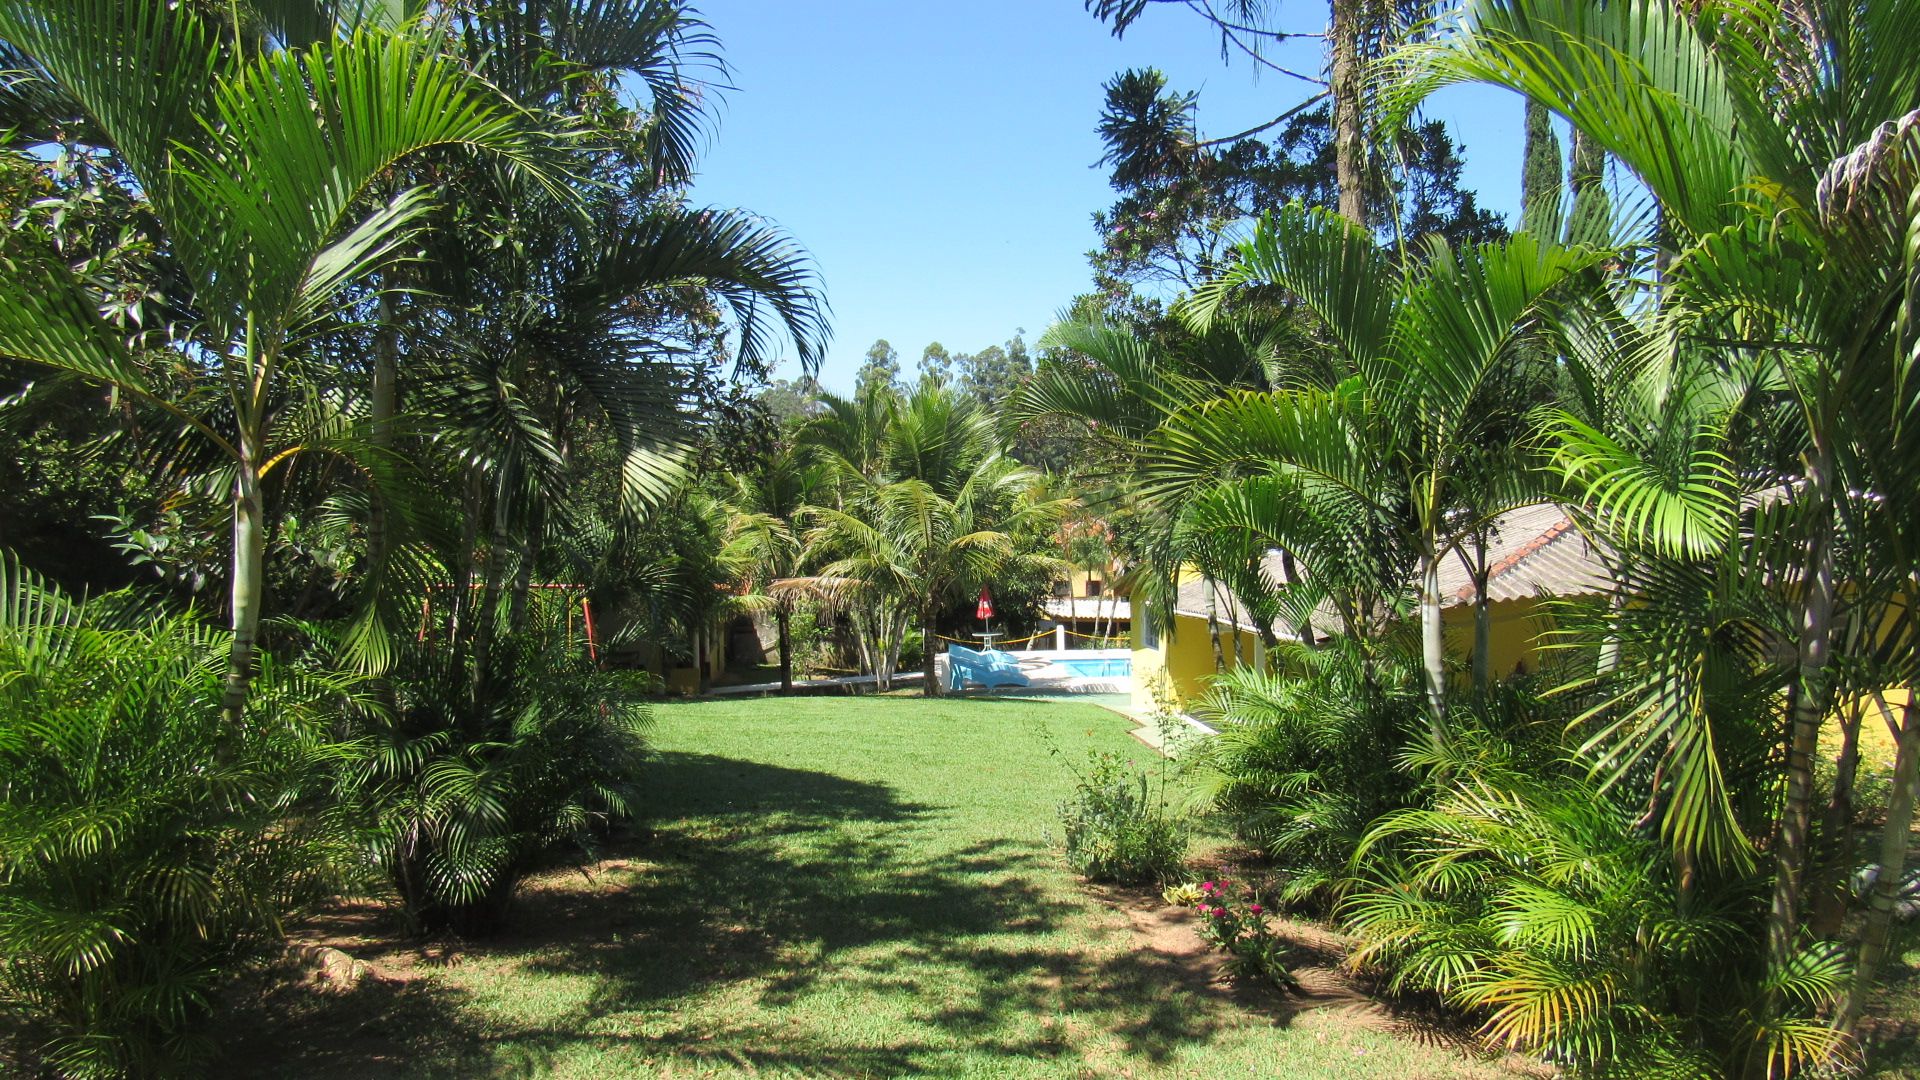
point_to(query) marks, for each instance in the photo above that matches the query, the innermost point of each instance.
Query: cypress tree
(1540, 176)
(1587, 174)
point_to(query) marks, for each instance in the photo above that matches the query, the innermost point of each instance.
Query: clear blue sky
(937, 159)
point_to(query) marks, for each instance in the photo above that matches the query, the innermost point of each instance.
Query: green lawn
(833, 887)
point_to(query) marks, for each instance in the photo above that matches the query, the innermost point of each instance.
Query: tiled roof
(1191, 599)
(1088, 608)
(1534, 550)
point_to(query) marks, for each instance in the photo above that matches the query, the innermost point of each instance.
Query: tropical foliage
(1715, 386)
(148, 846)
(928, 508)
(382, 346)
(399, 319)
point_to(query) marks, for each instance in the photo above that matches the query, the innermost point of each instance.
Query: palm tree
(1422, 424)
(590, 326)
(260, 170)
(1526, 895)
(850, 434)
(768, 499)
(1783, 164)
(1123, 386)
(947, 510)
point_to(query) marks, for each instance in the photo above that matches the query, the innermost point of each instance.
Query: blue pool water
(1097, 667)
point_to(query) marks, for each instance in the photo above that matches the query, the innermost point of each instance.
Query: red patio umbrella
(985, 610)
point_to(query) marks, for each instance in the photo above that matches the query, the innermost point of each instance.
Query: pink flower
(1206, 886)
(1255, 908)
(1203, 909)
(1219, 912)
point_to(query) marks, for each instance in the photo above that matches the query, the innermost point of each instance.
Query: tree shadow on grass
(682, 785)
(764, 884)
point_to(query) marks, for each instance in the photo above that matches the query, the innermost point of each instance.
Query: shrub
(1233, 920)
(147, 848)
(1535, 900)
(471, 788)
(1118, 826)
(1305, 759)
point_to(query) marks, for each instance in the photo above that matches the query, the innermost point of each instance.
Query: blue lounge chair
(988, 668)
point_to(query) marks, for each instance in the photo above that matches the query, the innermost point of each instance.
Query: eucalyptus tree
(1353, 35)
(260, 167)
(1782, 142)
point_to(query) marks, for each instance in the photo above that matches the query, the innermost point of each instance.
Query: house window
(1093, 587)
(1063, 588)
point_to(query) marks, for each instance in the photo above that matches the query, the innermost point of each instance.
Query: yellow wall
(1514, 638)
(1178, 670)
(1077, 582)
(1877, 745)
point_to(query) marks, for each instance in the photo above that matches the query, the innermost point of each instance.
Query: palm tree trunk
(1293, 578)
(485, 614)
(382, 405)
(523, 573)
(1433, 645)
(1482, 618)
(781, 621)
(249, 578)
(1346, 85)
(929, 686)
(1213, 632)
(1893, 866)
(460, 628)
(1836, 828)
(1609, 659)
(1809, 710)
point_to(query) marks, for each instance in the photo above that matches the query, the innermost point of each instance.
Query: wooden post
(593, 645)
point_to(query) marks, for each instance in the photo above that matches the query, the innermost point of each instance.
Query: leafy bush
(913, 650)
(471, 787)
(1305, 759)
(1534, 900)
(1233, 920)
(1119, 827)
(815, 647)
(147, 848)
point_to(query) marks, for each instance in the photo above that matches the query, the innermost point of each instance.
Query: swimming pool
(1096, 667)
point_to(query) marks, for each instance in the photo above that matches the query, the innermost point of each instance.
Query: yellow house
(1172, 668)
(1535, 552)
(1081, 582)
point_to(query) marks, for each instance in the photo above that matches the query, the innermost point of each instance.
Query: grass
(844, 887)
